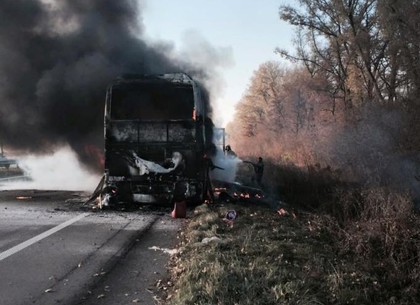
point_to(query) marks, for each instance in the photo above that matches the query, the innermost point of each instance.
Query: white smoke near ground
(228, 162)
(60, 170)
(229, 165)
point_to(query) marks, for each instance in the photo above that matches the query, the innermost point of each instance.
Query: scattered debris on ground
(269, 257)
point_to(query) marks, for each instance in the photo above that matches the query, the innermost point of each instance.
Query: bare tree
(281, 112)
(343, 40)
(262, 105)
(400, 23)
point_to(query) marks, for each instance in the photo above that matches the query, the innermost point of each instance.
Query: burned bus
(156, 137)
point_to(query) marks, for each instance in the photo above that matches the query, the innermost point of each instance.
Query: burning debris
(234, 191)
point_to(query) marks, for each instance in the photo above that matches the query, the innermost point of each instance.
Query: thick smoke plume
(56, 60)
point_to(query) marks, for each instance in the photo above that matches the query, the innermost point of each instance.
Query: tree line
(350, 97)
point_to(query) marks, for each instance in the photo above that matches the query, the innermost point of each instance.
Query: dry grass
(382, 235)
(264, 258)
(364, 251)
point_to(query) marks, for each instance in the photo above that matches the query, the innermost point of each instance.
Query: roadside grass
(378, 228)
(363, 248)
(264, 258)
(354, 244)
(374, 227)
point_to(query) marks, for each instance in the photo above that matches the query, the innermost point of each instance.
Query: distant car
(5, 162)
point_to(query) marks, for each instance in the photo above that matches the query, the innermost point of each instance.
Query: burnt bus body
(155, 140)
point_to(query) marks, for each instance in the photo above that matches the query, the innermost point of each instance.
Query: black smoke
(56, 60)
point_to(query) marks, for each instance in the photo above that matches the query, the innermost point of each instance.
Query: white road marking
(39, 237)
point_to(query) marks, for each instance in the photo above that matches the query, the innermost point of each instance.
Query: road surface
(55, 250)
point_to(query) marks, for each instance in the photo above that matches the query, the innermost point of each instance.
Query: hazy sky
(241, 33)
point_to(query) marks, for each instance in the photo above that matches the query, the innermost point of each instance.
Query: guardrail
(15, 178)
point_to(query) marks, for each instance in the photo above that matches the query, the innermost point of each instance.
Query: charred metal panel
(153, 132)
(122, 131)
(180, 133)
(154, 144)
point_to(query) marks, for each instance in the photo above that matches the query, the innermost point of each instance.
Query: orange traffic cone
(180, 210)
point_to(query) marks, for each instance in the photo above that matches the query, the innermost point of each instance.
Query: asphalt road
(55, 250)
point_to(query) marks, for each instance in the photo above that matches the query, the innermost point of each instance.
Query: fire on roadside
(234, 191)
